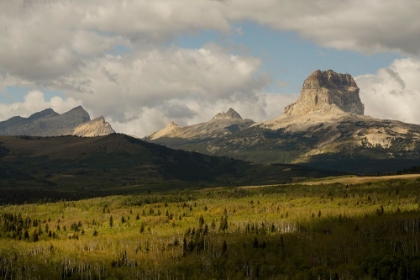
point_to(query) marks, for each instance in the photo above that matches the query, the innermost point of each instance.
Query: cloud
(176, 111)
(121, 87)
(148, 120)
(34, 102)
(46, 40)
(72, 46)
(372, 26)
(43, 40)
(393, 92)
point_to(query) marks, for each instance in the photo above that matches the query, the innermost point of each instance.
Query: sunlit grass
(149, 229)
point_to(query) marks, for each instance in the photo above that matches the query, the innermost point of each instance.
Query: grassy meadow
(369, 230)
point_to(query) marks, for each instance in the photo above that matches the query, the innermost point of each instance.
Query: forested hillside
(336, 231)
(69, 167)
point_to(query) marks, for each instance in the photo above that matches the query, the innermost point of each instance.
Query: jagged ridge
(49, 123)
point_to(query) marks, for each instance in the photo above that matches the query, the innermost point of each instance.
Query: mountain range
(326, 127)
(49, 123)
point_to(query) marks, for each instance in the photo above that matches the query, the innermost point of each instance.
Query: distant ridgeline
(48, 123)
(326, 128)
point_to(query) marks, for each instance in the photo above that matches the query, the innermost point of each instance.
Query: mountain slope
(72, 167)
(49, 123)
(324, 128)
(96, 127)
(220, 125)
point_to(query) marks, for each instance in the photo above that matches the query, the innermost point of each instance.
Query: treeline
(384, 247)
(367, 231)
(412, 170)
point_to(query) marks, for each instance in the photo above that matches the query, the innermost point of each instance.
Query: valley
(366, 230)
(230, 198)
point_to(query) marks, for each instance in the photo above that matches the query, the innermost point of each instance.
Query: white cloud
(34, 102)
(200, 82)
(367, 26)
(393, 92)
(68, 46)
(260, 107)
(43, 40)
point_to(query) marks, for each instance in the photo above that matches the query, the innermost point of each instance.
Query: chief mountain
(48, 123)
(326, 127)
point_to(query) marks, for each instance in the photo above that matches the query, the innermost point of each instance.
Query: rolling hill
(70, 167)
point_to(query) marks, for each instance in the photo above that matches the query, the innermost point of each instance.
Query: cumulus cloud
(153, 77)
(368, 26)
(393, 92)
(72, 46)
(265, 106)
(179, 84)
(34, 102)
(42, 40)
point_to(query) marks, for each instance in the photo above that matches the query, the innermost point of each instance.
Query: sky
(143, 63)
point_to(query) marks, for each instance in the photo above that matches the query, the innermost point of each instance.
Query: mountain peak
(95, 127)
(44, 113)
(327, 92)
(78, 109)
(230, 114)
(77, 113)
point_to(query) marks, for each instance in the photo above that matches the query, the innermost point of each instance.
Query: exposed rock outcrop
(170, 130)
(326, 96)
(327, 92)
(326, 128)
(93, 128)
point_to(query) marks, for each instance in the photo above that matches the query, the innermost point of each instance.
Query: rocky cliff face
(326, 127)
(49, 123)
(93, 128)
(327, 92)
(326, 96)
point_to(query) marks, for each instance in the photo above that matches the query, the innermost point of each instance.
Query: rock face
(93, 128)
(327, 92)
(325, 128)
(219, 125)
(49, 123)
(170, 130)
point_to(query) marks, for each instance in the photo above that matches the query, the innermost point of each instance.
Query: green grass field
(326, 231)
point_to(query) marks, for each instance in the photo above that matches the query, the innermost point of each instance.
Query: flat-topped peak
(230, 114)
(327, 92)
(328, 79)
